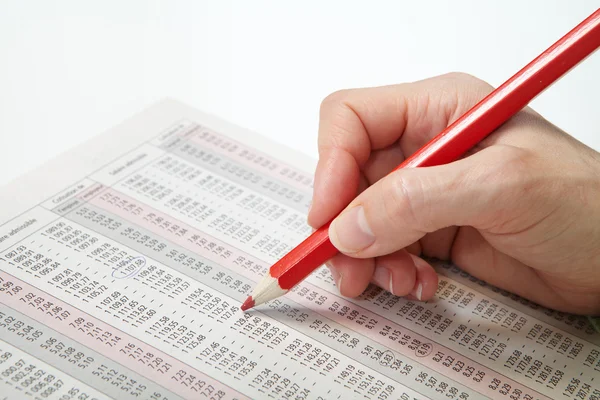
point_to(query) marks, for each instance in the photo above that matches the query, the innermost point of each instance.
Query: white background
(72, 69)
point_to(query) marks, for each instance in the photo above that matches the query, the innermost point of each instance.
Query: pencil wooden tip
(249, 303)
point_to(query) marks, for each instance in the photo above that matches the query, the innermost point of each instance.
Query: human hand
(521, 211)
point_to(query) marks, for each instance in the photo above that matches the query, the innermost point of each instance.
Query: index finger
(354, 123)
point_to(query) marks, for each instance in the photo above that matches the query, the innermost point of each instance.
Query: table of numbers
(127, 285)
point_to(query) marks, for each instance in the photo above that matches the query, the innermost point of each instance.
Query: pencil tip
(249, 303)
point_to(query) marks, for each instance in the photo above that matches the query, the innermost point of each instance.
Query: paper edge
(35, 186)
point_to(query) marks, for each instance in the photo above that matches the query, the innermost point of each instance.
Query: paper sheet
(124, 262)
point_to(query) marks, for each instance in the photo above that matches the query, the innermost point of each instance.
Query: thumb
(404, 206)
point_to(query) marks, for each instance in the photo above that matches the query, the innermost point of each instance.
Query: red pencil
(448, 146)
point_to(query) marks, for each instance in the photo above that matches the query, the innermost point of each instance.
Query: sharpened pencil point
(249, 303)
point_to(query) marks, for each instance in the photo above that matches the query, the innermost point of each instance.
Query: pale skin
(520, 211)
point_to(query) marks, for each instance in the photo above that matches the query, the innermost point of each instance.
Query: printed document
(124, 262)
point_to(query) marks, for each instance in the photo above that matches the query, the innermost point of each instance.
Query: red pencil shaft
(510, 97)
(463, 134)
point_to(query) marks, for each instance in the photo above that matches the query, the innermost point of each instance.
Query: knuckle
(406, 201)
(512, 164)
(510, 174)
(469, 86)
(457, 92)
(340, 126)
(333, 100)
(503, 164)
(464, 78)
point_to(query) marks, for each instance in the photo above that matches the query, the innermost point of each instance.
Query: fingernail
(350, 232)
(383, 278)
(418, 291)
